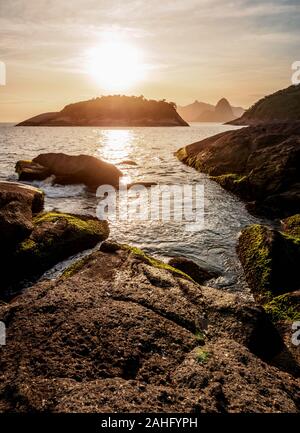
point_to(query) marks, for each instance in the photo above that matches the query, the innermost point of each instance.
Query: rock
(127, 162)
(69, 169)
(54, 237)
(280, 106)
(28, 170)
(291, 225)
(197, 273)
(270, 260)
(284, 307)
(123, 332)
(17, 204)
(258, 163)
(113, 110)
(15, 191)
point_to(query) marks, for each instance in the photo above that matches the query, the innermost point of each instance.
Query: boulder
(258, 163)
(196, 272)
(120, 331)
(270, 260)
(53, 238)
(17, 205)
(70, 169)
(28, 171)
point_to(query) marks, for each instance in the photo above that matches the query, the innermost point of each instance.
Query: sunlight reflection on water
(152, 150)
(115, 144)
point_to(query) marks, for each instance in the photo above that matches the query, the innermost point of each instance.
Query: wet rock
(70, 169)
(17, 204)
(28, 171)
(258, 163)
(270, 260)
(54, 237)
(196, 272)
(120, 332)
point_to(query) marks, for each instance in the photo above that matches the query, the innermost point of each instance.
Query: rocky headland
(258, 163)
(281, 106)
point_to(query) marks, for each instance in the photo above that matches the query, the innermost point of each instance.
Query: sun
(115, 65)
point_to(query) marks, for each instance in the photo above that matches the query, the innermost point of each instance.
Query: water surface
(152, 149)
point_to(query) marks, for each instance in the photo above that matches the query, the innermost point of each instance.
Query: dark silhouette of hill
(280, 106)
(116, 110)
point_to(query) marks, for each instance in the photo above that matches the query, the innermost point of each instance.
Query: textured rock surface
(199, 274)
(270, 260)
(54, 237)
(258, 163)
(116, 332)
(69, 169)
(18, 203)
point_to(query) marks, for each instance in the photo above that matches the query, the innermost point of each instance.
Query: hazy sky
(190, 49)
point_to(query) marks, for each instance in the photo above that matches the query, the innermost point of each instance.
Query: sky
(175, 50)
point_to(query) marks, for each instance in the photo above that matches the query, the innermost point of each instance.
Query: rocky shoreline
(120, 331)
(260, 164)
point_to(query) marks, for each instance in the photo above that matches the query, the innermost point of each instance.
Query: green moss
(202, 356)
(181, 154)
(255, 255)
(27, 245)
(229, 177)
(92, 226)
(283, 307)
(200, 337)
(292, 225)
(154, 262)
(75, 267)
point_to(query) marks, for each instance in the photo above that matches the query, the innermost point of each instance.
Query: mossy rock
(55, 237)
(234, 183)
(189, 267)
(270, 260)
(291, 225)
(111, 247)
(284, 307)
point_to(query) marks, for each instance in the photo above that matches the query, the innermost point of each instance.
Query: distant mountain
(280, 106)
(114, 110)
(203, 112)
(190, 112)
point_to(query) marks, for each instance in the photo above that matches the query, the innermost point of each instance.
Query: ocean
(152, 149)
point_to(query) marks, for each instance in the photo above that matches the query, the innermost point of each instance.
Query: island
(114, 110)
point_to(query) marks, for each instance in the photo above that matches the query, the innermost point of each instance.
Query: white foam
(59, 191)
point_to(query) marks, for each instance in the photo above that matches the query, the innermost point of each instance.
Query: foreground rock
(283, 105)
(120, 331)
(18, 203)
(198, 273)
(113, 110)
(53, 238)
(69, 169)
(270, 260)
(31, 241)
(260, 164)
